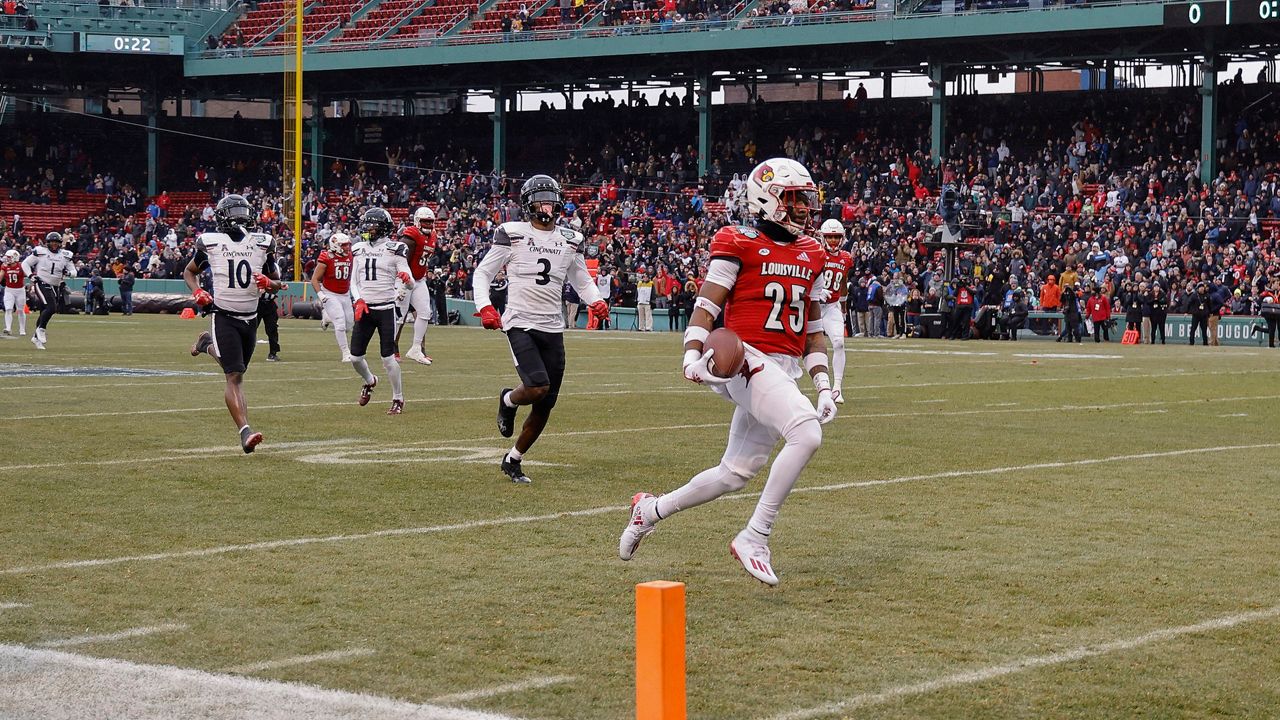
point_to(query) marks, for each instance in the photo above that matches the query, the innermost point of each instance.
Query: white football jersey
(49, 267)
(538, 262)
(375, 271)
(233, 264)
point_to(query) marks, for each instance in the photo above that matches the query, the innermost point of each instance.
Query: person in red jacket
(1099, 310)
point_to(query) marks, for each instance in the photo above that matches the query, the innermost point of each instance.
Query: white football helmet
(424, 214)
(12, 256)
(340, 244)
(832, 232)
(782, 191)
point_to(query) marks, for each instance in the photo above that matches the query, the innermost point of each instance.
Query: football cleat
(397, 407)
(201, 344)
(514, 471)
(366, 391)
(35, 340)
(837, 396)
(273, 358)
(249, 439)
(638, 528)
(415, 354)
(506, 415)
(754, 557)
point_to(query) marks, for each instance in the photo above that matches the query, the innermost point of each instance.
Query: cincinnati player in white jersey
(379, 281)
(538, 257)
(420, 238)
(48, 266)
(242, 265)
(332, 283)
(15, 292)
(832, 298)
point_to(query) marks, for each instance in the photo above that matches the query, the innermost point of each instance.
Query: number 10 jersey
(234, 264)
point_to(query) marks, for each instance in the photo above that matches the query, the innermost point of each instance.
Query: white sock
(342, 340)
(8, 320)
(393, 371)
(515, 454)
(802, 442)
(419, 329)
(40, 333)
(702, 488)
(362, 369)
(837, 363)
(506, 400)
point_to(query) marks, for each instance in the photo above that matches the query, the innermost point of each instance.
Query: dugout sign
(1221, 12)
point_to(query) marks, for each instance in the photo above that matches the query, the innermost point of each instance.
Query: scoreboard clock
(130, 44)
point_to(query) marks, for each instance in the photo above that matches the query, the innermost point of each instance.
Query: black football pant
(1203, 324)
(48, 297)
(269, 314)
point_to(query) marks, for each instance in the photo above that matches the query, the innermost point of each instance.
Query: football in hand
(729, 353)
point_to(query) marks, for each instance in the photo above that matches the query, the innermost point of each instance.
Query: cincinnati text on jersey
(544, 250)
(786, 270)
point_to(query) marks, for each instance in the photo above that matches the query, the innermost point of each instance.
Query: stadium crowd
(1068, 197)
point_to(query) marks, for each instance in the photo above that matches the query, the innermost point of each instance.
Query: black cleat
(506, 418)
(249, 439)
(513, 470)
(366, 391)
(202, 344)
(273, 358)
(397, 407)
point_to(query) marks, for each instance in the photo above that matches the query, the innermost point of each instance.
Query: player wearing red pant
(765, 280)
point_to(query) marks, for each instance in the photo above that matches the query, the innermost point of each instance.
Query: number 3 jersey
(375, 270)
(768, 305)
(233, 264)
(538, 263)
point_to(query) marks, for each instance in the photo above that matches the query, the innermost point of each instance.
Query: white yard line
(65, 686)
(1149, 412)
(13, 605)
(506, 689)
(112, 637)
(299, 660)
(587, 512)
(970, 677)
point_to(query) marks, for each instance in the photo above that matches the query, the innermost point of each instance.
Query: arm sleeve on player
(355, 283)
(723, 272)
(819, 284)
(200, 258)
(581, 280)
(29, 265)
(402, 265)
(493, 261)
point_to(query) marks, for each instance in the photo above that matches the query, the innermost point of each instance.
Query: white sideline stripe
(915, 351)
(59, 685)
(981, 675)
(112, 637)
(299, 660)
(587, 512)
(515, 687)
(13, 606)
(1235, 415)
(1004, 404)
(1069, 356)
(220, 381)
(1149, 412)
(290, 445)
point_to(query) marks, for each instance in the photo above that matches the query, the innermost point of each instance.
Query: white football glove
(401, 293)
(826, 407)
(823, 295)
(697, 370)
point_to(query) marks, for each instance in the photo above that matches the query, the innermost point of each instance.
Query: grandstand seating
(322, 18)
(490, 21)
(380, 21)
(41, 219)
(267, 20)
(438, 19)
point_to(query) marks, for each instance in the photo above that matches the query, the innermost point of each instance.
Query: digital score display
(129, 44)
(1230, 12)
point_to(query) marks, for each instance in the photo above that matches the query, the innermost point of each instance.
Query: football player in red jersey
(332, 282)
(421, 239)
(15, 292)
(765, 280)
(835, 275)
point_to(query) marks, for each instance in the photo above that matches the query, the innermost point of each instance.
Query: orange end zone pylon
(660, 678)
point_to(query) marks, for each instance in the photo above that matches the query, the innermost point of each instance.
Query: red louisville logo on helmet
(764, 174)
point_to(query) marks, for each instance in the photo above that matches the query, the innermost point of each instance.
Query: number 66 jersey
(538, 262)
(768, 305)
(233, 264)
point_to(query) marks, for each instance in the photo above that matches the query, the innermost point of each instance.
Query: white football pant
(338, 311)
(15, 301)
(833, 326)
(420, 298)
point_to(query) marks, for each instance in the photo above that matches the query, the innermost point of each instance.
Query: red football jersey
(768, 306)
(337, 272)
(14, 275)
(420, 246)
(836, 273)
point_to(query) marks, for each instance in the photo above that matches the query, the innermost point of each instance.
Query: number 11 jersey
(233, 264)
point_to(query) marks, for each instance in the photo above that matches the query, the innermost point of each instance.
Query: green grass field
(1002, 530)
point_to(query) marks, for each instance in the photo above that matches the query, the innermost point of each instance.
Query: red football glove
(405, 278)
(362, 309)
(600, 309)
(264, 282)
(202, 297)
(490, 318)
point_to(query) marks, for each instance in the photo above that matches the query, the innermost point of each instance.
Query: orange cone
(187, 314)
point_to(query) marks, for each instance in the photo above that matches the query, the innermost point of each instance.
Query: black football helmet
(233, 212)
(376, 223)
(53, 237)
(541, 189)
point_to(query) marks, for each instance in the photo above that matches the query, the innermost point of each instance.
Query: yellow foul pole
(297, 144)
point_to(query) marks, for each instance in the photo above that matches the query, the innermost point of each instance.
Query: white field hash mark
(505, 689)
(299, 660)
(588, 512)
(112, 637)
(981, 675)
(56, 684)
